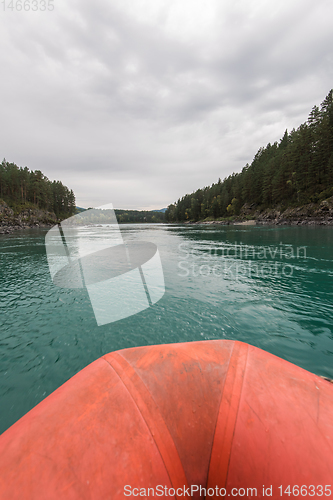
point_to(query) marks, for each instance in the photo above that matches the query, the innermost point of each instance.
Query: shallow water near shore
(270, 286)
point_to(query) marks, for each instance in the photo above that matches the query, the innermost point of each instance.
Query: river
(270, 286)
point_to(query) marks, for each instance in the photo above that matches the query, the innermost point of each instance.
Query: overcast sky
(138, 102)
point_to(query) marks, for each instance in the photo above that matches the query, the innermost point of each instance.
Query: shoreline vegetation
(29, 199)
(310, 214)
(290, 182)
(30, 216)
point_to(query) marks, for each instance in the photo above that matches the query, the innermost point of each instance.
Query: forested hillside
(21, 187)
(106, 216)
(296, 171)
(129, 216)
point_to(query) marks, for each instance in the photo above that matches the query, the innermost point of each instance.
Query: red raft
(199, 420)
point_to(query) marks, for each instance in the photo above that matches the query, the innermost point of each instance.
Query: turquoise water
(269, 286)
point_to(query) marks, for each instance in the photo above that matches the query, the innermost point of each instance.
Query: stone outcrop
(30, 217)
(310, 213)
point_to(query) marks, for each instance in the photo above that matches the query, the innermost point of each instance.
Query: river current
(269, 286)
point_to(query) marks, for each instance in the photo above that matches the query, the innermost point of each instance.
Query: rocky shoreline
(29, 218)
(310, 214)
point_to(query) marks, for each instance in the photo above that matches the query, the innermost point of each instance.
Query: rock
(311, 214)
(247, 209)
(32, 217)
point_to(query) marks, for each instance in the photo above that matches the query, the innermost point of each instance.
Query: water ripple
(48, 334)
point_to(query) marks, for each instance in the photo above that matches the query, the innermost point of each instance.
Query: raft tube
(205, 419)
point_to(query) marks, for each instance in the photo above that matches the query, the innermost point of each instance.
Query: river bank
(28, 218)
(309, 214)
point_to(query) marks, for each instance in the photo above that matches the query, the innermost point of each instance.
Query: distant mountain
(163, 210)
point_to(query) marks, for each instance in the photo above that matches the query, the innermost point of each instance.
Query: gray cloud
(137, 103)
